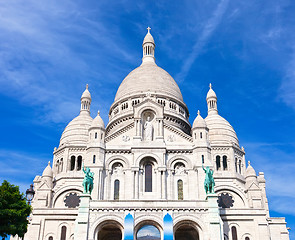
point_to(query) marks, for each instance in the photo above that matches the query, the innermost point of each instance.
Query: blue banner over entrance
(168, 227)
(128, 227)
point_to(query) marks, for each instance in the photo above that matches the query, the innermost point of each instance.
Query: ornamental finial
(249, 163)
(148, 28)
(87, 86)
(198, 112)
(210, 86)
(98, 112)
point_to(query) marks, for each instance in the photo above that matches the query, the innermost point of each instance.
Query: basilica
(149, 167)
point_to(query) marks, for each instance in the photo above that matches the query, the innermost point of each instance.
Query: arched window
(236, 165)
(234, 233)
(95, 135)
(73, 159)
(148, 232)
(180, 189)
(148, 177)
(247, 238)
(63, 234)
(224, 162)
(57, 166)
(116, 189)
(61, 165)
(217, 162)
(240, 166)
(203, 160)
(50, 238)
(94, 158)
(79, 163)
(201, 135)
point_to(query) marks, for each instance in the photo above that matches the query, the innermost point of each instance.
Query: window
(63, 233)
(94, 158)
(236, 165)
(180, 189)
(240, 167)
(61, 165)
(148, 177)
(95, 135)
(247, 238)
(50, 238)
(234, 233)
(57, 166)
(203, 160)
(116, 189)
(148, 232)
(201, 135)
(79, 165)
(224, 162)
(73, 159)
(217, 162)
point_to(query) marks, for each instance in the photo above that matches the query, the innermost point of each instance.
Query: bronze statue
(88, 180)
(209, 182)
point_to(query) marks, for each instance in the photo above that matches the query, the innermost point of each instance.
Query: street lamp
(30, 194)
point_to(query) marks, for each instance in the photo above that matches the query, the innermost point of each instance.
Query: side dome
(97, 122)
(199, 122)
(47, 171)
(220, 130)
(250, 172)
(76, 132)
(149, 78)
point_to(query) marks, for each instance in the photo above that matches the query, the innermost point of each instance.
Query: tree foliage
(14, 211)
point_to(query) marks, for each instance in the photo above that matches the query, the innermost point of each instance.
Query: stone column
(214, 219)
(82, 221)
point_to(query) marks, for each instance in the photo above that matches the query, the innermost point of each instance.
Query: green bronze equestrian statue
(88, 180)
(209, 182)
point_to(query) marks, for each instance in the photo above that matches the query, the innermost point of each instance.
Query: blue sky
(50, 49)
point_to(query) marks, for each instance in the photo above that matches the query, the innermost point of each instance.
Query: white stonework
(148, 162)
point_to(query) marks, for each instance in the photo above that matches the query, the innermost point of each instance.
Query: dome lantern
(211, 100)
(148, 47)
(85, 101)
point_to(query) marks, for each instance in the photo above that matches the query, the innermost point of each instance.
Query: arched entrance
(186, 231)
(148, 232)
(109, 231)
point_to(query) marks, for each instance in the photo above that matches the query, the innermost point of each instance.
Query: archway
(148, 232)
(186, 231)
(109, 231)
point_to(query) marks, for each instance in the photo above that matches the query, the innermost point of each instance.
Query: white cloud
(206, 33)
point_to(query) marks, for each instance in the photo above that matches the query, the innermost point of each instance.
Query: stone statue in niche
(148, 130)
(118, 168)
(179, 169)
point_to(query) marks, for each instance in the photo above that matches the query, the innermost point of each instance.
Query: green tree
(14, 211)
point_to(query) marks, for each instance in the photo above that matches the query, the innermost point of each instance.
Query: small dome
(220, 130)
(86, 93)
(199, 122)
(76, 132)
(211, 93)
(97, 122)
(47, 171)
(250, 172)
(148, 37)
(149, 78)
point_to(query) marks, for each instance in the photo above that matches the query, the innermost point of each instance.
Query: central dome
(149, 78)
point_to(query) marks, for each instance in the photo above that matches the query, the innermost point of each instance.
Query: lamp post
(30, 194)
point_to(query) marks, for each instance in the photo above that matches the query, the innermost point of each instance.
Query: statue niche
(148, 128)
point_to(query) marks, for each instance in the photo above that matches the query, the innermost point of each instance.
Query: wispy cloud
(206, 33)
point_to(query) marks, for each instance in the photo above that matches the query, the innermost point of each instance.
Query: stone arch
(148, 220)
(247, 235)
(61, 191)
(146, 155)
(48, 235)
(186, 225)
(103, 221)
(183, 159)
(117, 158)
(235, 191)
(148, 105)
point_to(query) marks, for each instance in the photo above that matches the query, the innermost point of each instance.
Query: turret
(211, 101)
(148, 47)
(97, 132)
(85, 102)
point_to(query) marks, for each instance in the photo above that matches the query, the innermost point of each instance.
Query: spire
(148, 47)
(85, 101)
(211, 100)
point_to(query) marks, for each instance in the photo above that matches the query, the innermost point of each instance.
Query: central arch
(109, 230)
(186, 230)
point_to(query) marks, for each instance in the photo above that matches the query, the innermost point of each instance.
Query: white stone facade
(148, 162)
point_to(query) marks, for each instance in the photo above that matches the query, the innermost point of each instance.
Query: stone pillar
(214, 219)
(82, 221)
